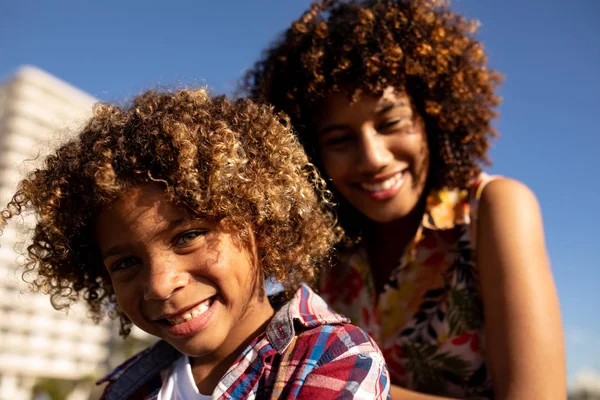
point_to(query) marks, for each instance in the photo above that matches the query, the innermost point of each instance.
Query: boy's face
(182, 279)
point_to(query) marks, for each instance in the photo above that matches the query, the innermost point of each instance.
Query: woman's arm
(524, 337)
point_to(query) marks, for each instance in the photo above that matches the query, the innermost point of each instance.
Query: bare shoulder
(505, 192)
(507, 204)
(510, 222)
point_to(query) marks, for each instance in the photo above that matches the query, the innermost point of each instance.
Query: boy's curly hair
(419, 46)
(217, 158)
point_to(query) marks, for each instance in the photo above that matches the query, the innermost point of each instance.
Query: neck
(398, 232)
(387, 242)
(208, 370)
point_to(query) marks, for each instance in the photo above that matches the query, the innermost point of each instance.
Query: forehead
(138, 210)
(339, 103)
(142, 199)
(147, 208)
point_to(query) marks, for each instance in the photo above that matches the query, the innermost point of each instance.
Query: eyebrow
(331, 128)
(389, 106)
(379, 111)
(118, 249)
(178, 222)
(113, 251)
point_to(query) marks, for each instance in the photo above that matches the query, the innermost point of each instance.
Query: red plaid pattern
(307, 352)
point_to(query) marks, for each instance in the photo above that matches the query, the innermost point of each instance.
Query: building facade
(37, 342)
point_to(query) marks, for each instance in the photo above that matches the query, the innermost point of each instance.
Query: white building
(586, 385)
(35, 340)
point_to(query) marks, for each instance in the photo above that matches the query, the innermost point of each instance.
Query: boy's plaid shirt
(308, 352)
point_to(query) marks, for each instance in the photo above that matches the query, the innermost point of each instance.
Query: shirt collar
(306, 310)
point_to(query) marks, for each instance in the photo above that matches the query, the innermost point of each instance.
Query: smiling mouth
(383, 185)
(190, 314)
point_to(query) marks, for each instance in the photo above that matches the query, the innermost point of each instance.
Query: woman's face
(375, 152)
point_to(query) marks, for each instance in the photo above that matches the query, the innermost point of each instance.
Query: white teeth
(193, 313)
(203, 307)
(385, 185)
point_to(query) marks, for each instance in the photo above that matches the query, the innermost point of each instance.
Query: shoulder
(309, 310)
(327, 343)
(124, 366)
(510, 231)
(507, 204)
(508, 208)
(336, 361)
(505, 192)
(140, 373)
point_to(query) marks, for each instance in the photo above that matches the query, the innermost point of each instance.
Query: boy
(170, 214)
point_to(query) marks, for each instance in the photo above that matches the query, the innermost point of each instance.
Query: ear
(256, 249)
(255, 245)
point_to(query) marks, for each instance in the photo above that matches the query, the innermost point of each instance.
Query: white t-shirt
(180, 384)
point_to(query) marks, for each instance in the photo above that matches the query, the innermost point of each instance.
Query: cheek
(423, 145)
(423, 161)
(334, 165)
(126, 302)
(233, 269)
(333, 172)
(418, 149)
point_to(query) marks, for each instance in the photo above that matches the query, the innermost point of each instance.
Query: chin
(393, 212)
(194, 349)
(385, 219)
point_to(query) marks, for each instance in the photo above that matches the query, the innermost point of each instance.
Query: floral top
(428, 321)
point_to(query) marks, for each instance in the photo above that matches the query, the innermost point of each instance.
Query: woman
(446, 267)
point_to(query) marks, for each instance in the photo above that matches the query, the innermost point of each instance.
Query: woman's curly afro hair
(216, 158)
(419, 46)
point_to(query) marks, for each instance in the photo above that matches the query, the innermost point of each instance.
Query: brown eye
(125, 263)
(388, 124)
(336, 140)
(394, 124)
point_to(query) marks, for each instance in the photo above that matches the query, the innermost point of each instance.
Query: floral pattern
(428, 321)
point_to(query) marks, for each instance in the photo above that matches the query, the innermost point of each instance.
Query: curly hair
(419, 46)
(217, 158)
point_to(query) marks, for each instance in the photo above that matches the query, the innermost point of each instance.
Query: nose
(374, 153)
(163, 279)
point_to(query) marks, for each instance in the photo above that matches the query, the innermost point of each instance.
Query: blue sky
(549, 52)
